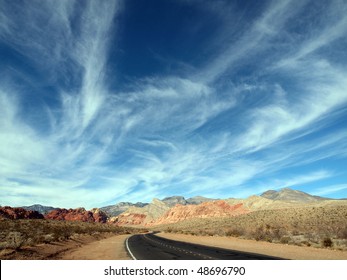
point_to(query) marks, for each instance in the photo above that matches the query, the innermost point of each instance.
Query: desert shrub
(285, 239)
(236, 232)
(48, 238)
(305, 242)
(16, 233)
(3, 245)
(327, 242)
(277, 233)
(260, 234)
(15, 240)
(267, 233)
(342, 243)
(313, 238)
(30, 242)
(218, 232)
(342, 233)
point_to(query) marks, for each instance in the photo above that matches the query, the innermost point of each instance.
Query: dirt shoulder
(266, 248)
(112, 248)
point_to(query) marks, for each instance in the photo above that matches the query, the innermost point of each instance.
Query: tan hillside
(287, 194)
(255, 203)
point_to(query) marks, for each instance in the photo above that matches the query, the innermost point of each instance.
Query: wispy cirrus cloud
(253, 40)
(331, 189)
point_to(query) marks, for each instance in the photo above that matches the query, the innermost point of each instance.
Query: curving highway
(151, 247)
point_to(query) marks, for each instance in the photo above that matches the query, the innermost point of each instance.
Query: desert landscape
(287, 224)
(184, 130)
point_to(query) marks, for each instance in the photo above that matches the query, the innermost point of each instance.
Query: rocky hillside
(79, 214)
(287, 194)
(119, 208)
(254, 203)
(142, 215)
(18, 213)
(218, 208)
(128, 219)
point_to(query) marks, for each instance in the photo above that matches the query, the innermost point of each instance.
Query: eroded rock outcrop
(128, 219)
(15, 213)
(218, 208)
(78, 214)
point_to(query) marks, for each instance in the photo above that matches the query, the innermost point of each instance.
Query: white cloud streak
(253, 41)
(332, 189)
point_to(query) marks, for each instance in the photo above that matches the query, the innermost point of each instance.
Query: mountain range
(176, 208)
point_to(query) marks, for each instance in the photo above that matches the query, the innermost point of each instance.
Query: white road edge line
(127, 246)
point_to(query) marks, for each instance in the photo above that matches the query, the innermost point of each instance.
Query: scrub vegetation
(16, 234)
(307, 226)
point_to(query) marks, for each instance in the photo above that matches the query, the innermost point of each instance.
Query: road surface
(151, 247)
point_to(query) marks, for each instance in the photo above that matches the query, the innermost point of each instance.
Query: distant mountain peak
(39, 208)
(173, 200)
(114, 210)
(287, 194)
(199, 199)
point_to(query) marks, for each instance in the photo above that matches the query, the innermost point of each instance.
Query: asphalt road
(151, 247)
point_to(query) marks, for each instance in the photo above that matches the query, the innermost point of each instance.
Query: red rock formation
(16, 213)
(128, 219)
(78, 214)
(218, 208)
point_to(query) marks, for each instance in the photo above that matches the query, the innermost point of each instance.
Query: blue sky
(109, 101)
